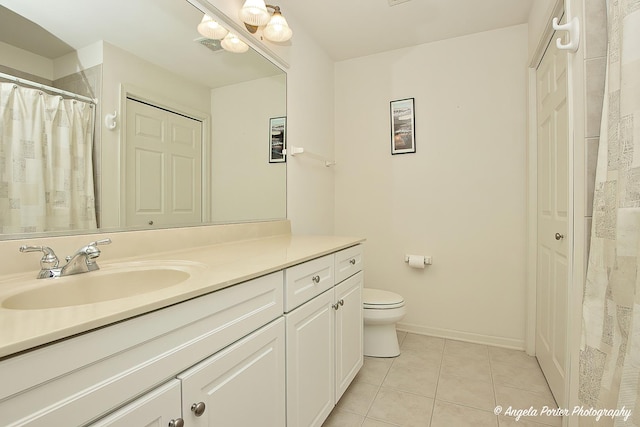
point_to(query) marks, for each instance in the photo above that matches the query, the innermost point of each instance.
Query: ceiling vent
(211, 44)
(395, 2)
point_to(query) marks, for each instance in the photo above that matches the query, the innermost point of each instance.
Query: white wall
(310, 112)
(460, 198)
(244, 185)
(27, 62)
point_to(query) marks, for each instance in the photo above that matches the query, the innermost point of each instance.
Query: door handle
(559, 236)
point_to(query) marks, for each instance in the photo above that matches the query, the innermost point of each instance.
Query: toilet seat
(377, 299)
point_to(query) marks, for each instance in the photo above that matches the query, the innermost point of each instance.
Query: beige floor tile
(466, 367)
(370, 422)
(404, 409)
(401, 336)
(522, 373)
(516, 399)
(358, 398)
(339, 418)
(476, 352)
(422, 342)
(465, 391)
(374, 370)
(509, 355)
(467, 381)
(522, 422)
(413, 372)
(450, 415)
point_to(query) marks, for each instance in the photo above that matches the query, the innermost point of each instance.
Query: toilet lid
(379, 299)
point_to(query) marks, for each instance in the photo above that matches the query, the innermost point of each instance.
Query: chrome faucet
(80, 262)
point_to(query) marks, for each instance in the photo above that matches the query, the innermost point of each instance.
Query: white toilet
(381, 311)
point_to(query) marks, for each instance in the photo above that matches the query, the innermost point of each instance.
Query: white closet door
(163, 167)
(553, 208)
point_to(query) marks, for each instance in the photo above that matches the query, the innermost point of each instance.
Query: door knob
(198, 408)
(178, 422)
(559, 236)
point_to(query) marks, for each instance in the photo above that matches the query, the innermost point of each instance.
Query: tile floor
(438, 382)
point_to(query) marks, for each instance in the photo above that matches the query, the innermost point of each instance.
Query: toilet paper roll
(416, 261)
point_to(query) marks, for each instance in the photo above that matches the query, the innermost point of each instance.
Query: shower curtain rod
(47, 88)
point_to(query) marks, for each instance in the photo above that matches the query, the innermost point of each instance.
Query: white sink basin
(111, 283)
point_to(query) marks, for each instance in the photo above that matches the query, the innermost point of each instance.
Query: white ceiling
(353, 28)
(160, 31)
(344, 28)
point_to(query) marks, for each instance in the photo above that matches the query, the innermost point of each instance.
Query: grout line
(435, 393)
(493, 386)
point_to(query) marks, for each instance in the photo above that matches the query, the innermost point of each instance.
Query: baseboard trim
(463, 336)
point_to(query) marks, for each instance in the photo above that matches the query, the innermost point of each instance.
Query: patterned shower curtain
(46, 169)
(610, 351)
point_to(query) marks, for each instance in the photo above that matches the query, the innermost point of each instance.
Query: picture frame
(277, 139)
(403, 131)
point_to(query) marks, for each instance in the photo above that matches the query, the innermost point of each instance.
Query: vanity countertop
(219, 266)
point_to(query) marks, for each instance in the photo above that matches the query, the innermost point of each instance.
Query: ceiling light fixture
(211, 29)
(254, 14)
(232, 43)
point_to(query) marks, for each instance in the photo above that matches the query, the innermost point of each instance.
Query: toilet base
(381, 340)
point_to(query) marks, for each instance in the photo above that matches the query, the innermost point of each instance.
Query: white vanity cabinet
(278, 350)
(324, 339)
(97, 372)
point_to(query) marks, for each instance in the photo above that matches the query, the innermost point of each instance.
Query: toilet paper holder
(427, 259)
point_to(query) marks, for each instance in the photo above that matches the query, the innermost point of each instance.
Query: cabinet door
(349, 352)
(310, 362)
(241, 385)
(156, 408)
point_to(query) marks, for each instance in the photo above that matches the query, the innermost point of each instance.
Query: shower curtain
(610, 351)
(46, 169)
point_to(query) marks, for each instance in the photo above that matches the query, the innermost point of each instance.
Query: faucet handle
(49, 259)
(91, 250)
(100, 242)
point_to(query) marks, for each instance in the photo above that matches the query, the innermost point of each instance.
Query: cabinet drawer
(348, 262)
(158, 407)
(305, 281)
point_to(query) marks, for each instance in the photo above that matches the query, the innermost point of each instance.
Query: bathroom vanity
(263, 332)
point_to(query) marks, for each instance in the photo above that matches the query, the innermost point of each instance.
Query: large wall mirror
(180, 133)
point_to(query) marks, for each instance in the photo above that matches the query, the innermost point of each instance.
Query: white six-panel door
(552, 217)
(163, 169)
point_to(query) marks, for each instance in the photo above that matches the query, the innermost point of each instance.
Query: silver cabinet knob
(198, 409)
(559, 236)
(341, 302)
(178, 422)
(335, 306)
(352, 261)
(316, 279)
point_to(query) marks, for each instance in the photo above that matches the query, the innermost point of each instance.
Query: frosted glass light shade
(211, 29)
(254, 12)
(277, 30)
(233, 44)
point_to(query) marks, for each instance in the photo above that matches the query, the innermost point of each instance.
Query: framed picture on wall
(403, 131)
(277, 139)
